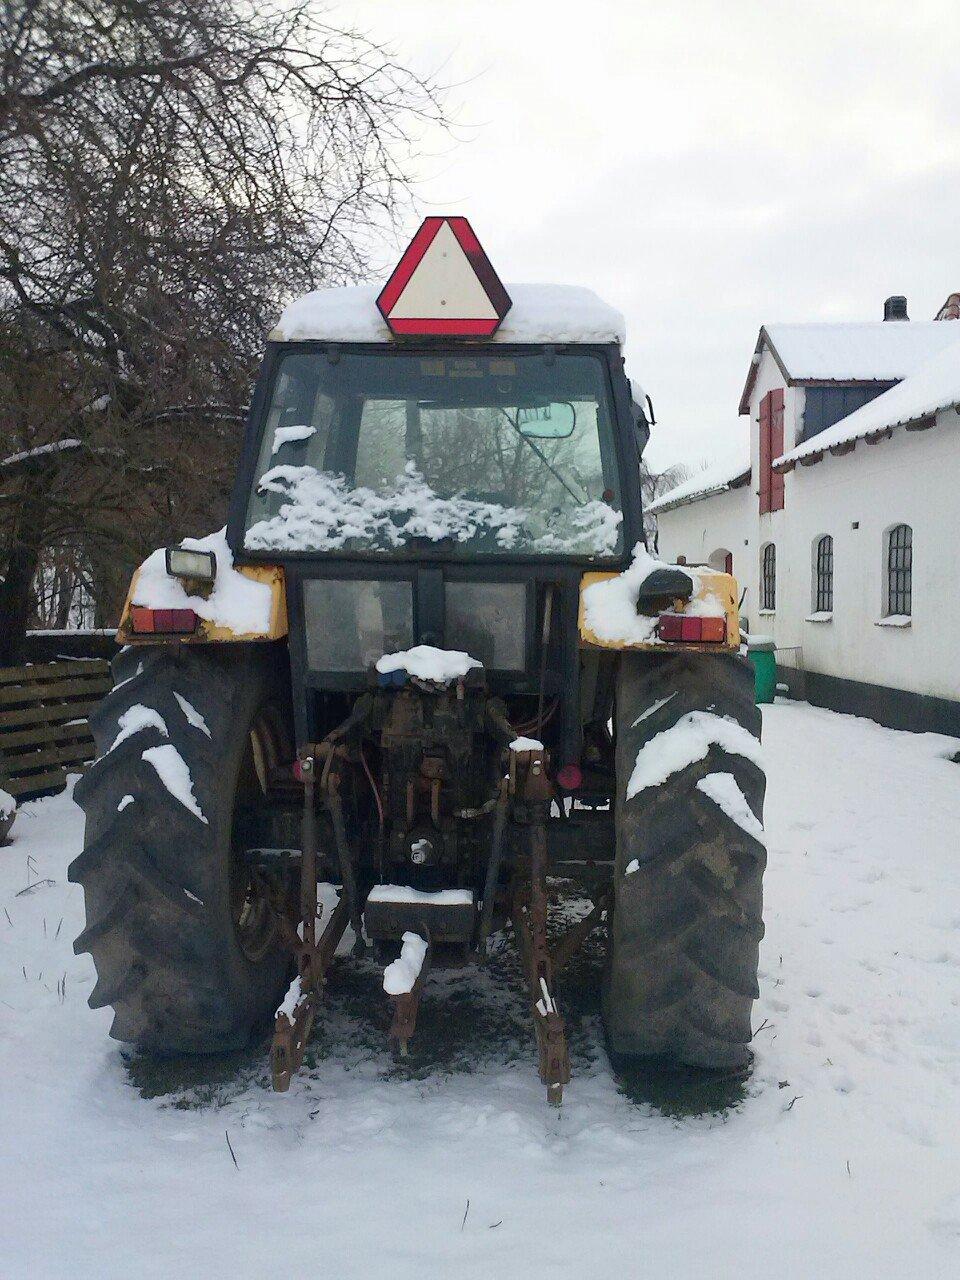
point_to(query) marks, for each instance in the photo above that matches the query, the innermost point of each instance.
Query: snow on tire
(685, 932)
(160, 887)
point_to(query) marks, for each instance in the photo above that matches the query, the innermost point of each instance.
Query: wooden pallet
(44, 732)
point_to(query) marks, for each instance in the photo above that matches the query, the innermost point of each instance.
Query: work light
(201, 566)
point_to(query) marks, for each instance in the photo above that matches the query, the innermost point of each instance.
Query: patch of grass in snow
(198, 1082)
(682, 1091)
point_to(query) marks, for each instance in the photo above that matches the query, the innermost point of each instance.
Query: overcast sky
(705, 165)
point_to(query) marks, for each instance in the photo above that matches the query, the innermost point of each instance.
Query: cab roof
(553, 313)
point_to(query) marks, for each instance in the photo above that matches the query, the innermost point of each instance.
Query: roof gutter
(786, 464)
(738, 481)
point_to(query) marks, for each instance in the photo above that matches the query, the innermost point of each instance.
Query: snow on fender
(245, 603)
(609, 614)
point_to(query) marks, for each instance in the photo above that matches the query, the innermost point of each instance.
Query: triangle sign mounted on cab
(444, 285)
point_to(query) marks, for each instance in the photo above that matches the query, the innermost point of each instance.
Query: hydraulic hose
(493, 872)
(347, 872)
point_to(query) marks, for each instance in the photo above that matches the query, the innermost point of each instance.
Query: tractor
(428, 669)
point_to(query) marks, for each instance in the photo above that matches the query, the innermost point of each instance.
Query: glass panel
(395, 452)
(350, 625)
(824, 601)
(300, 414)
(900, 570)
(769, 577)
(823, 406)
(487, 620)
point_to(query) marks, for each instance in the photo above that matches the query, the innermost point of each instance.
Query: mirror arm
(653, 421)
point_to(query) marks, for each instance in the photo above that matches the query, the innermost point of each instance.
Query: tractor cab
(437, 496)
(440, 477)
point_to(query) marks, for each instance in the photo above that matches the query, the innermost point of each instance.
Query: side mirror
(643, 418)
(641, 427)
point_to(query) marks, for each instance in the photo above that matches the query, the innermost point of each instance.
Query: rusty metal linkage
(290, 1038)
(313, 957)
(406, 1006)
(529, 781)
(332, 779)
(525, 796)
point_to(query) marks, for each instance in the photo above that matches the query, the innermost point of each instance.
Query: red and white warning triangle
(444, 285)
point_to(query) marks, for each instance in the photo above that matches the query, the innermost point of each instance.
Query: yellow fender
(209, 632)
(722, 586)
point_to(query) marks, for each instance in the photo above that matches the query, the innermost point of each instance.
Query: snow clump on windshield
(322, 512)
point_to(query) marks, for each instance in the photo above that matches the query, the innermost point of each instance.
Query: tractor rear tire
(685, 930)
(185, 951)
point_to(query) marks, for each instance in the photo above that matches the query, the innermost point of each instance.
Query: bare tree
(653, 484)
(171, 174)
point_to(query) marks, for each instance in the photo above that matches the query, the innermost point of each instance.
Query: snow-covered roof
(872, 351)
(878, 351)
(726, 474)
(540, 313)
(935, 386)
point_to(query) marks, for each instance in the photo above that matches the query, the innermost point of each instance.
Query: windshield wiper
(581, 502)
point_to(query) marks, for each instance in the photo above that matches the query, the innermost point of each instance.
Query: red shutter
(765, 454)
(728, 563)
(776, 448)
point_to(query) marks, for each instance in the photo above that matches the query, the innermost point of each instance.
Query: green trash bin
(762, 652)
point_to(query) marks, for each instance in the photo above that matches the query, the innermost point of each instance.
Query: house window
(823, 406)
(900, 570)
(768, 577)
(823, 596)
(771, 447)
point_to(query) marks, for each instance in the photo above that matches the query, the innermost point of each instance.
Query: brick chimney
(950, 309)
(895, 308)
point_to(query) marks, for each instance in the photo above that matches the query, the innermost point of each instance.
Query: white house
(843, 524)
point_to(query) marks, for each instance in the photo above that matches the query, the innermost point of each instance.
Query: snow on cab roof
(729, 473)
(935, 386)
(540, 313)
(870, 351)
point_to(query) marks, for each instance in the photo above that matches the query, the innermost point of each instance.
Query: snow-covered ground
(839, 1160)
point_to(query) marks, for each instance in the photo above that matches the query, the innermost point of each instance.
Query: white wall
(721, 522)
(733, 519)
(912, 478)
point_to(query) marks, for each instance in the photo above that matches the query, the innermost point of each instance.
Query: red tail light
(713, 630)
(678, 627)
(570, 777)
(670, 626)
(148, 622)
